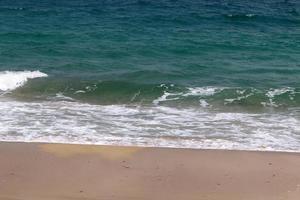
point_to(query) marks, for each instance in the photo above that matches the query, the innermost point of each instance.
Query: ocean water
(215, 74)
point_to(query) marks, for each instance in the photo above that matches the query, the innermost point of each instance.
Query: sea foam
(10, 80)
(196, 91)
(160, 126)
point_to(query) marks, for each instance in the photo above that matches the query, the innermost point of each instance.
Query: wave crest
(10, 80)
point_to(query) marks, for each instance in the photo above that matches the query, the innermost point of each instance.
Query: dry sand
(32, 171)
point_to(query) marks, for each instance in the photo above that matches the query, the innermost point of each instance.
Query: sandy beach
(33, 171)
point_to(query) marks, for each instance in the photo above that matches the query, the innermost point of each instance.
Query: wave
(196, 92)
(75, 122)
(10, 80)
(230, 96)
(132, 93)
(174, 95)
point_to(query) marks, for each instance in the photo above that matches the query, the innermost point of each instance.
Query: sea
(204, 74)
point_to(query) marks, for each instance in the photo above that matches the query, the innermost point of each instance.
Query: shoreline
(34, 171)
(159, 147)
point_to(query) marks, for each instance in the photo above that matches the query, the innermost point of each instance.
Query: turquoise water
(201, 74)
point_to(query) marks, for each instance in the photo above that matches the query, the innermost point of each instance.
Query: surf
(10, 80)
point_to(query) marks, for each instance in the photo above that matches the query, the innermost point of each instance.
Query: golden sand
(107, 152)
(30, 171)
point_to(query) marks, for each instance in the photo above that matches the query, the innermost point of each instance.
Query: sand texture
(33, 171)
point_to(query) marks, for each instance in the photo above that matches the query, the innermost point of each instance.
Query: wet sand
(33, 171)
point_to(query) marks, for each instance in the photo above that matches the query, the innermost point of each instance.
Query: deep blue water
(189, 42)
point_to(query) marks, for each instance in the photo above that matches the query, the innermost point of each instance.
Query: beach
(35, 171)
(150, 100)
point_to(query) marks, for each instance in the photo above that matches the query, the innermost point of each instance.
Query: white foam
(10, 80)
(74, 122)
(196, 91)
(79, 92)
(203, 91)
(203, 103)
(62, 97)
(272, 93)
(238, 98)
(167, 96)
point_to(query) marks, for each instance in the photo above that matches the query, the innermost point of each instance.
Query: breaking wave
(73, 122)
(10, 80)
(118, 92)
